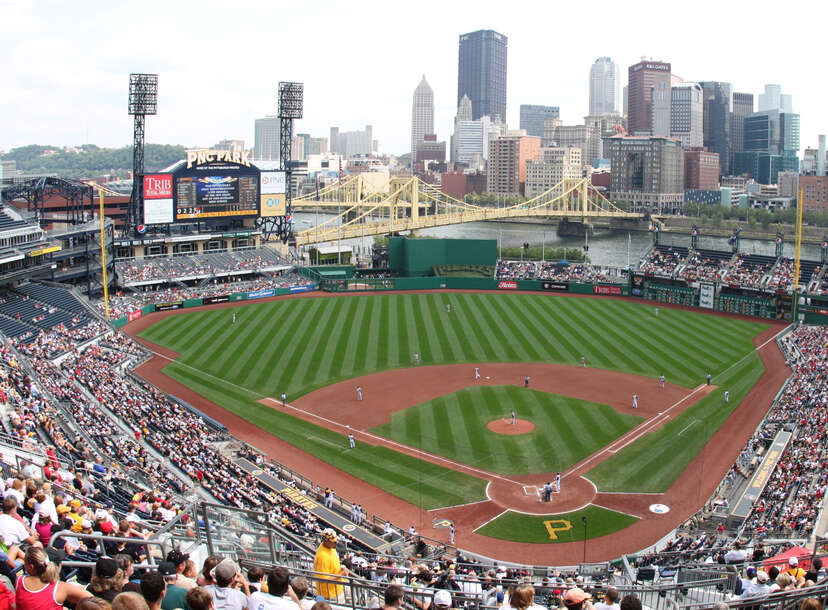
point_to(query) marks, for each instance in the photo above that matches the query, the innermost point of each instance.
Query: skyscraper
(774, 99)
(533, 116)
(266, 139)
(742, 107)
(716, 127)
(643, 78)
(604, 87)
(687, 115)
(481, 73)
(422, 115)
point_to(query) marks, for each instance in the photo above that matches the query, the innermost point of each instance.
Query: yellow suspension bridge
(410, 204)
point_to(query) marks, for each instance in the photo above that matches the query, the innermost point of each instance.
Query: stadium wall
(416, 257)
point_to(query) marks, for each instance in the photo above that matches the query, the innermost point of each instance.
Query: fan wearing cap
(576, 599)
(758, 587)
(227, 577)
(107, 579)
(797, 573)
(175, 596)
(74, 514)
(326, 563)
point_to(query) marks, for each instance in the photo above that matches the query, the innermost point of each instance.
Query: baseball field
(431, 435)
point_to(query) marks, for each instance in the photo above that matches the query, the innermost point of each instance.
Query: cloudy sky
(67, 64)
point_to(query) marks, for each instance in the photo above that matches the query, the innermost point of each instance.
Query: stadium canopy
(781, 560)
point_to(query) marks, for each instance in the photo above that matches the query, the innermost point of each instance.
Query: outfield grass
(454, 426)
(297, 345)
(654, 461)
(519, 527)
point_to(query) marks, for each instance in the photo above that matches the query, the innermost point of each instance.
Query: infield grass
(566, 527)
(298, 345)
(455, 426)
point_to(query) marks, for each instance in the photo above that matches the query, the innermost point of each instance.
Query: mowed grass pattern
(566, 527)
(298, 345)
(455, 426)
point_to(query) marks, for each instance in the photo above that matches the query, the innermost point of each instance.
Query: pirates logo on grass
(557, 525)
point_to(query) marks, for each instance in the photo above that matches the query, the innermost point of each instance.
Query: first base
(487, 377)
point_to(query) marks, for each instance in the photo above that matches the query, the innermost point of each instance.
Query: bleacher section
(749, 270)
(663, 260)
(33, 308)
(154, 270)
(705, 265)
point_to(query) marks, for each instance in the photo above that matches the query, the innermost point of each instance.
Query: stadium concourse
(89, 447)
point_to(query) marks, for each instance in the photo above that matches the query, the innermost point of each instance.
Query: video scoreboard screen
(216, 190)
(216, 196)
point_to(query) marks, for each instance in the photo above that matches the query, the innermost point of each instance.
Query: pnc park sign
(197, 157)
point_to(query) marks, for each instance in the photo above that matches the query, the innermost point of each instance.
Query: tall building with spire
(464, 113)
(422, 114)
(604, 87)
(481, 73)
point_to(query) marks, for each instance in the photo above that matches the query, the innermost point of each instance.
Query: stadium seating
(663, 260)
(199, 266)
(124, 302)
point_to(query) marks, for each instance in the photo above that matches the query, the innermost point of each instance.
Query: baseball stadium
(191, 367)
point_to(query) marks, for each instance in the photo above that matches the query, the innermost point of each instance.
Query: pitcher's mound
(505, 426)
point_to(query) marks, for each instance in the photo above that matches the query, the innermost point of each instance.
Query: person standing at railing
(326, 563)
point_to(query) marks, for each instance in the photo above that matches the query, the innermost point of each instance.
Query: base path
(336, 406)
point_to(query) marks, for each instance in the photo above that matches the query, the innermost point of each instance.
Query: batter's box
(531, 490)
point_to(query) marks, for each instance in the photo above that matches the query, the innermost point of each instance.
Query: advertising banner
(301, 288)
(272, 205)
(507, 285)
(168, 306)
(134, 315)
(158, 211)
(273, 183)
(610, 290)
(213, 300)
(261, 294)
(555, 285)
(706, 292)
(158, 186)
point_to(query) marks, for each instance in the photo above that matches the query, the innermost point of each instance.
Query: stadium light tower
(143, 100)
(290, 108)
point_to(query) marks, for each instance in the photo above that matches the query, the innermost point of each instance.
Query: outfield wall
(223, 298)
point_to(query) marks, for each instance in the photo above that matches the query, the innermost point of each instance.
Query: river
(610, 248)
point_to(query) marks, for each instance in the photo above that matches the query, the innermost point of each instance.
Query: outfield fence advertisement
(612, 290)
(261, 294)
(168, 306)
(213, 300)
(562, 286)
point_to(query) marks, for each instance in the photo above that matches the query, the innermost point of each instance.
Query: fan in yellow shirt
(326, 563)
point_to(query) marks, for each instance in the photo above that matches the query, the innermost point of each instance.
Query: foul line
(382, 440)
(224, 381)
(687, 427)
(431, 510)
(490, 520)
(649, 425)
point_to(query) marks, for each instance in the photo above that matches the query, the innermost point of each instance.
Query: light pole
(584, 521)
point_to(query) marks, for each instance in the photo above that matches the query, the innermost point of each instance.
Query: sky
(67, 64)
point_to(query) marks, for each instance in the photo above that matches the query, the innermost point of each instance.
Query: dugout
(418, 257)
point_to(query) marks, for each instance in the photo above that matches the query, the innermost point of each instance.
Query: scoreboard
(213, 185)
(216, 189)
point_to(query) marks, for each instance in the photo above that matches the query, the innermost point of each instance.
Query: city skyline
(218, 74)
